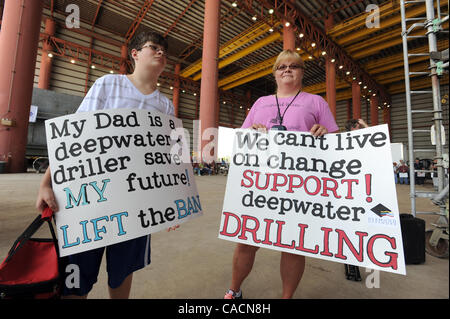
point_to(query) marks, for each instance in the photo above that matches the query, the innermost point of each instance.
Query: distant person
(207, 169)
(403, 171)
(355, 124)
(196, 168)
(434, 174)
(395, 172)
(419, 176)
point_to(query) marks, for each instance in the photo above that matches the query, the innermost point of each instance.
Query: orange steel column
(18, 50)
(176, 89)
(210, 74)
(217, 114)
(349, 109)
(288, 37)
(356, 100)
(248, 95)
(46, 61)
(374, 110)
(387, 119)
(124, 56)
(330, 74)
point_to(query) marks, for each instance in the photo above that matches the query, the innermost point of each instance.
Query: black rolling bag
(413, 235)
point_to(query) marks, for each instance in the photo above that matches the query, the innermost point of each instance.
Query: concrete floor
(193, 263)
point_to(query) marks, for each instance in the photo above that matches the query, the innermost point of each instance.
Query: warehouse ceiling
(251, 37)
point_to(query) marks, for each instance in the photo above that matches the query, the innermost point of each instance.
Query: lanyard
(278, 106)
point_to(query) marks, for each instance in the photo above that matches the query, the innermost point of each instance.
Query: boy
(148, 51)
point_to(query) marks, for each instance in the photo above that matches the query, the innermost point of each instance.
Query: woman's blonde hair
(286, 54)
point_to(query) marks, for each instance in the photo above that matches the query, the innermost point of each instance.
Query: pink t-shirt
(305, 111)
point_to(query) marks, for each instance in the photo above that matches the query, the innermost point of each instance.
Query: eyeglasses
(292, 67)
(155, 48)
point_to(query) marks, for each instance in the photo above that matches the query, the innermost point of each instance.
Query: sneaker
(233, 295)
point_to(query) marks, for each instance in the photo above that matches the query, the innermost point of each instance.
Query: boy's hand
(46, 198)
(173, 228)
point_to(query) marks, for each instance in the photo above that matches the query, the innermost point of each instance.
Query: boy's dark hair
(351, 124)
(142, 38)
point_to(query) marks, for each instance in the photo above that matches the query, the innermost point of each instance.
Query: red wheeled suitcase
(31, 268)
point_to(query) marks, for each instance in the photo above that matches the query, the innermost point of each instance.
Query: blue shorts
(122, 259)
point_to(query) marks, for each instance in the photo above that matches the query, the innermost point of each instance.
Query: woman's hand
(259, 127)
(318, 130)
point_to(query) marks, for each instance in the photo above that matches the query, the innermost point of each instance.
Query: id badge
(279, 128)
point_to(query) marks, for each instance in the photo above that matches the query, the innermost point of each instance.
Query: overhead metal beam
(386, 9)
(240, 40)
(249, 78)
(137, 21)
(395, 88)
(415, 84)
(255, 31)
(248, 71)
(254, 72)
(81, 53)
(320, 88)
(399, 73)
(384, 41)
(357, 35)
(386, 78)
(94, 20)
(179, 17)
(396, 60)
(276, 36)
(390, 19)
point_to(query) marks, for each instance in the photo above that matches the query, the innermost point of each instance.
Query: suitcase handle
(46, 216)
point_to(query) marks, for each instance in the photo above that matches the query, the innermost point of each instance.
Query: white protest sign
(118, 175)
(332, 198)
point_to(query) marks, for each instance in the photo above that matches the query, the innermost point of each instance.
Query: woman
(293, 110)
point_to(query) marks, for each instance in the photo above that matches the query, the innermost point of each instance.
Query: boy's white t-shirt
(116, 91)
